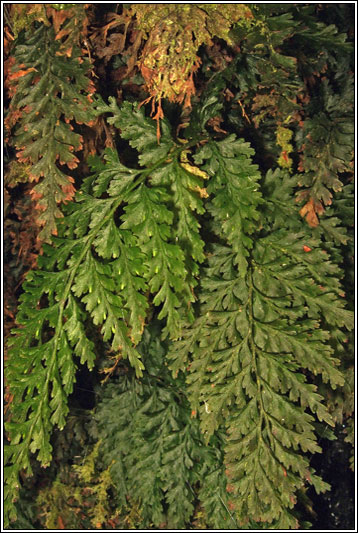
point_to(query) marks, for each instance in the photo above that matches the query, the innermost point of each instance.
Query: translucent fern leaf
(55, 91)
(140, 130)
(42, 369)
(250, 350)
(235, 195)
(167, 437)
(148, 217)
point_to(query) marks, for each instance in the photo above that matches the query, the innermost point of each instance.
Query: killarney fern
(183, 272)
(122, 249)
(103, 270)
(51, 91)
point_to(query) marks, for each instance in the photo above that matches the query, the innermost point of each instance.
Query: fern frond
(53, 91)
(148, 427)
(253, 350)
(235, 195)
(100, 269)
(51, 331)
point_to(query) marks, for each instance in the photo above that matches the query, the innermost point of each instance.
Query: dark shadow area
(335, 509)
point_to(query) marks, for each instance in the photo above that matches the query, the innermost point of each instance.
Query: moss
(174, 35)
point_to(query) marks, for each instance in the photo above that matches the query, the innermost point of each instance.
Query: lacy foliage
(182, 268)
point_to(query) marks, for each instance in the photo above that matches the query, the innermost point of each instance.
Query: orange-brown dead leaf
(310, 211)
(60, 522)
(215, 124)
(61, 33)
(69, 190)
(58, 18)
(20, 73)
(285, 156)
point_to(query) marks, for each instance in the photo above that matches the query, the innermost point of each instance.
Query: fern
(170, 271)
(258, 334)
(98, 269)
(235, 194)
(51, 91)
(148, 427)
(182, 268)
(261, 299)
(329, 139)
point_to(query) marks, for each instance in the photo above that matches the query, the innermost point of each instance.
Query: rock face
(335, 509)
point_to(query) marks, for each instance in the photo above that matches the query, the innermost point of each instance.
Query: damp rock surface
(335, 508)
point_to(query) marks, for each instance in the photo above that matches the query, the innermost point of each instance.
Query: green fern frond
(54, 91)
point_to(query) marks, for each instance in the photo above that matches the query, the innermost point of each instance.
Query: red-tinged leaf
(67, 52)
(285, 156)
(310, 211)
(58, 17)
(61, 33)
(21, 73)
(70, 191)
(74, 163)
